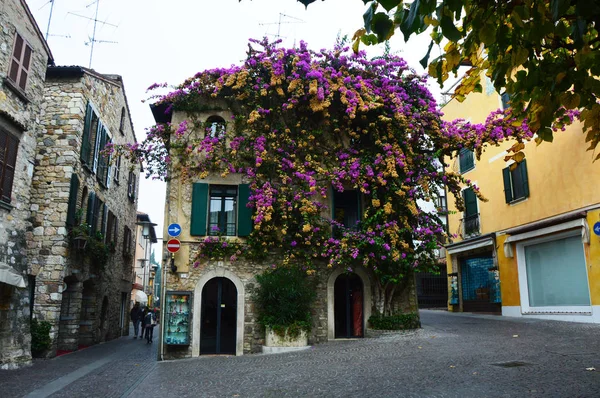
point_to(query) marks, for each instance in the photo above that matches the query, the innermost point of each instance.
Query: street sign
(597, 228)
(173, 245)
(174, 230)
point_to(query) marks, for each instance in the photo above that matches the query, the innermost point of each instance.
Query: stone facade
(85, 303)
(191, 276)
(19, 110)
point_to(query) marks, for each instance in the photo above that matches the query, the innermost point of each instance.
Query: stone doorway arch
(367, 299)
(219, 273)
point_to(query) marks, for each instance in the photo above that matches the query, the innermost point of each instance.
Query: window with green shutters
(516, 183)
(72, 207)
(471, 215)
(220, 209)
(466, 160)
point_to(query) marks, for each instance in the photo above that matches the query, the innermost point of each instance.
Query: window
(346, 209)
(466, 160)
(131, 187)
(103, 175)
(112, 228)
(471, 219)
(516, 184)
(222, 211)
(95, 212)
(553, 275)
(215, 127)
(20, 62)
(72, 207)
(117, 170)
(8, 159)
(126, 241)
(91, 128)
(122, 124)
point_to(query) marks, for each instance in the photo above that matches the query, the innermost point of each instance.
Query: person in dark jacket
(136, 317)
(149, 321)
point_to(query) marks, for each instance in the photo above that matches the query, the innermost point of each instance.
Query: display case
(177, 318)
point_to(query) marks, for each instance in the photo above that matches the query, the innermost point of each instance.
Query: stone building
(83, 209)
(145, 236)
(24, 56)
(199, 289)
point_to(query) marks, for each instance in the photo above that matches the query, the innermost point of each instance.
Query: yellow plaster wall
(509, 275)
(562, 176)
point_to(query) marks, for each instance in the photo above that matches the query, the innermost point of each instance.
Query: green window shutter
(85, 139)
(244, 213)
(72, 208)
(523, 167)
(470, 202)
(507, 186)
(199, 209)
(90, 209)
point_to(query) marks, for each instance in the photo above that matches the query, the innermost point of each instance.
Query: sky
(156, 41)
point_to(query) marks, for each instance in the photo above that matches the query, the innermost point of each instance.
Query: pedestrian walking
(136, 318)
(150, 322)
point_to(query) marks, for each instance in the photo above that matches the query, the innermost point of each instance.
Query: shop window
(516, 184)
(9, 145)
(553, 275)
(466, 160)
(221, 209)
(20, 62)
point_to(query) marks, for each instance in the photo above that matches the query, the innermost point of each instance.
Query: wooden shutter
(8, 159)
(104, 220)
(20, 62)
(524, 178)
(85, 139)
(96, 146)
(470, 202)
(199, 209)
(244, 213)
(90, 209)
(72, 208)
(508, 195)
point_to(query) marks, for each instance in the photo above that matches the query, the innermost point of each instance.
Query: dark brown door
(218, 317)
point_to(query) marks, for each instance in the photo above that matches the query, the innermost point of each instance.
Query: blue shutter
(245, 224)
(199, 209)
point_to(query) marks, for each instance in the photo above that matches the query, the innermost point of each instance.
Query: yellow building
(531, 249)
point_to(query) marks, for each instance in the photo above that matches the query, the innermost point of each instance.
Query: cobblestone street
(454, 355)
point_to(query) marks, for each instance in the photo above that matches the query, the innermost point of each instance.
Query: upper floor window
(516, 184)
(505, 98)
(20, 62)
(112, 228)
(222, 212)
(117, 170)
(96, 217)
(122, 124)
(221, 209)
(94, 138)
(346, 209)
(103, 164)
(126, 241)
(215, 127)
(466, 160)
(131, 185)
(471, 219)
(9, 145)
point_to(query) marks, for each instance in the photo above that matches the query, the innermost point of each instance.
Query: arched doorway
(218, 317)
(348, 306)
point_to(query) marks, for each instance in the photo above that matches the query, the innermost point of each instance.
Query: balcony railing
(471, 225)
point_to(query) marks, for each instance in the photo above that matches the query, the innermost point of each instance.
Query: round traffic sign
(173, 245)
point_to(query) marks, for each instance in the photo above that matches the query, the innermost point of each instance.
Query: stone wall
(19, 111)
(53, 257)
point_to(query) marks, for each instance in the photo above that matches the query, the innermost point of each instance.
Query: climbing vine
(307, 124)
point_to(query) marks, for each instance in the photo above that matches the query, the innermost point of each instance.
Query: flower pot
(275, 343)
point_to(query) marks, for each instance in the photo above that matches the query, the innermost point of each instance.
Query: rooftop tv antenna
(291, 20)
(92, 39)
(51, 2)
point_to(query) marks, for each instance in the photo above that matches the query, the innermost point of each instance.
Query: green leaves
(389, 4)
(382, 26)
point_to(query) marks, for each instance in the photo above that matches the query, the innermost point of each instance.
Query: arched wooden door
(348, 306)
(218, 321)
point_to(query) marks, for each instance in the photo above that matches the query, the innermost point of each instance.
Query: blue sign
(597, 228)
(174, 230)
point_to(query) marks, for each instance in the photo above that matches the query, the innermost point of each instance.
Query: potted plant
(284, 297)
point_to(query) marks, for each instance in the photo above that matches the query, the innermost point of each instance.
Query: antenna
(51, 2)
(279, 22)
(92, 40)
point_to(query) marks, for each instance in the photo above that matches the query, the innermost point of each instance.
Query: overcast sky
(168, 41)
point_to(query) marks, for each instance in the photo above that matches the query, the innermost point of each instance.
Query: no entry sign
(173, 245)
